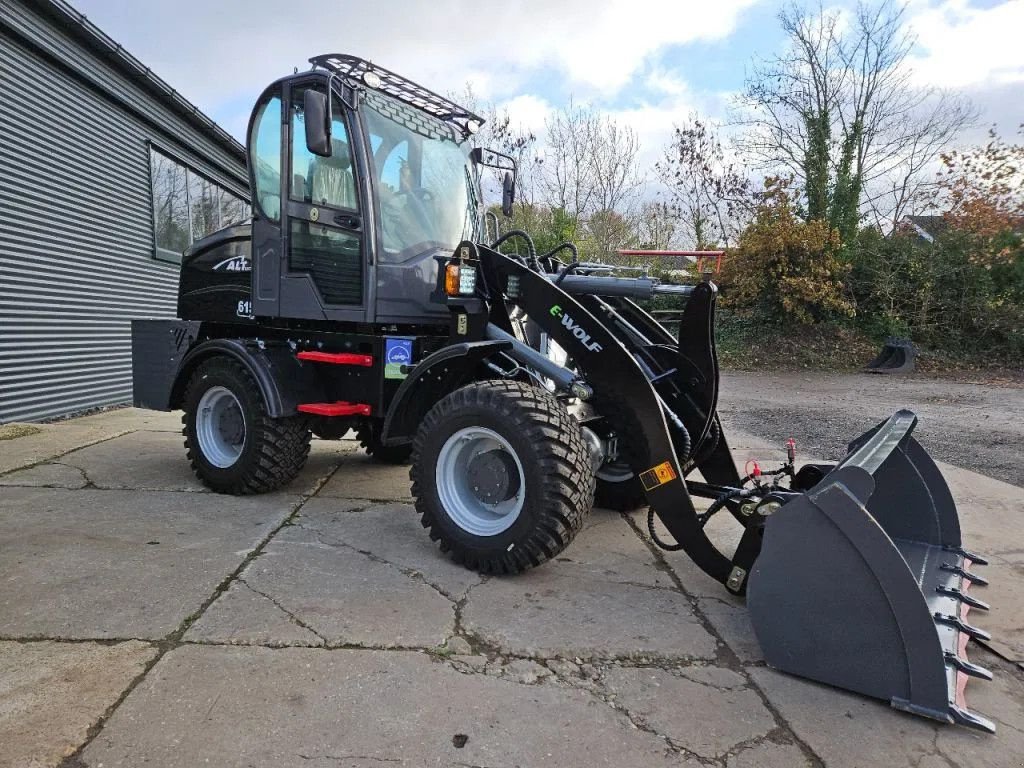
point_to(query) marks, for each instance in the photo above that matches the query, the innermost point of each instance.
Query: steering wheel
(419, 197)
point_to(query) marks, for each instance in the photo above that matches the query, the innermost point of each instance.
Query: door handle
(347, 220)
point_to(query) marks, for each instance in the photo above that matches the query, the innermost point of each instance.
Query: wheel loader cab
(350, 211)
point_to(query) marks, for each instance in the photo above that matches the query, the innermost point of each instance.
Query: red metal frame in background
(700, 256)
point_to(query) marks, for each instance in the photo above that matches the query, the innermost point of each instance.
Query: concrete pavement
(144, 620)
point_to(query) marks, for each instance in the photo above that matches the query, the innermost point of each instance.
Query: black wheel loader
(368, 293)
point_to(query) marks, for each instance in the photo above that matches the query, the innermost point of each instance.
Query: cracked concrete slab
(390, 532)
(360, 477)
(51, 694)
(154, 461)
(607, 549)
(51, 475)
(846, 730)
(243, 616)
(731, 620)
(730, 712)
(768, 754)
(120, 564)
(542, 613)
(59, 437)
(257, 707)
(338, 593)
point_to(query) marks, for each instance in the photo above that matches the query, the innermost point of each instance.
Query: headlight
(459, 280)
(467, 280)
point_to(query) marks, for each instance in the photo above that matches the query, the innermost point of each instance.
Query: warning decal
(659, 475)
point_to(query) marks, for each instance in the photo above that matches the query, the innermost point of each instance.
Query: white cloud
(219, 51)
(527, 113)
(965, 46)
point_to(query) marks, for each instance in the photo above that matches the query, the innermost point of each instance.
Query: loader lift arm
(611, 364)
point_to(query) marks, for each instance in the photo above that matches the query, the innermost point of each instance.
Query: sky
(648, 63)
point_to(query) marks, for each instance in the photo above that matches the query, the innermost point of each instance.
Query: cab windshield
(425, 181)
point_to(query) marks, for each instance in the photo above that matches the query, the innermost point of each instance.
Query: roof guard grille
(398, 87)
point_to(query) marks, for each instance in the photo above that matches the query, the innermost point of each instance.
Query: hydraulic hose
(531, 249)
(716, 505)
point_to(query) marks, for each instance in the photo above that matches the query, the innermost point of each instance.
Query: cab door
(325, 273)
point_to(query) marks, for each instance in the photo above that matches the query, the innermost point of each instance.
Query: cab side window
(326, 181)
(265, 158)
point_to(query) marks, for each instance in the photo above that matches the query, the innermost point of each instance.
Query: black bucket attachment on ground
(897, 356)
(862, 582)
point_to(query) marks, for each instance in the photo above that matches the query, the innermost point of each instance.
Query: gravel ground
(972, 425)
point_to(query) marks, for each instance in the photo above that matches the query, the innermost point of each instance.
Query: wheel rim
(486, 455)
(220, 427)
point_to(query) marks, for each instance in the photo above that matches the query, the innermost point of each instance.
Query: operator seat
(331, 181)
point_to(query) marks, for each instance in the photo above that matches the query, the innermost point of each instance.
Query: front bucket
(862, 582)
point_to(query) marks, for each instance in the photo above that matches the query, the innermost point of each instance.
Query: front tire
(233, 445)
(501, 476)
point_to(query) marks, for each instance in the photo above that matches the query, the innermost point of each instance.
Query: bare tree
(710, 197)
(905, 184)
(838, 110)
(616, 177)
(568, 172)
(656, 226)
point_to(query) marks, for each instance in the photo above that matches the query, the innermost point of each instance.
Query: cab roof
(356, 69)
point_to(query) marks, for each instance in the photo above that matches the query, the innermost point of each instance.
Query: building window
(187, 206)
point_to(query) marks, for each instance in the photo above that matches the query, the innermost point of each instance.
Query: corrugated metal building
(106, 175)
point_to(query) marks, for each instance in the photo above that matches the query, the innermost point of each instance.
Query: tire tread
(567, 495)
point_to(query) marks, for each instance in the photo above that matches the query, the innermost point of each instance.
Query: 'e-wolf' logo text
(575, 329)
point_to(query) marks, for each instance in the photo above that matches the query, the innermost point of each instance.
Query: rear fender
(283, 381)
(433, 378)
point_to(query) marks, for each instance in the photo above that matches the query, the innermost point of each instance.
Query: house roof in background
(927, 227)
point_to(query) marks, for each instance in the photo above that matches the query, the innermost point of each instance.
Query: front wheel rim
(220, 427)
(460, 500)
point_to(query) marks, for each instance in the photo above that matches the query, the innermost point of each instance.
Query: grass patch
(12, 431)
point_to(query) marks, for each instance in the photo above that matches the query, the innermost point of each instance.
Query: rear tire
(626, 495)
(544, 484)
(232, 444)
(368, 435)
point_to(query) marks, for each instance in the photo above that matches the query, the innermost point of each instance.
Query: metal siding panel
(76, 241)
(25, 19)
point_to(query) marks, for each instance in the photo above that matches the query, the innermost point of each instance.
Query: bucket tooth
(961, 571)
(974, 670)
(963, 716)
(967, 555)
(963, 626)
(963, 597)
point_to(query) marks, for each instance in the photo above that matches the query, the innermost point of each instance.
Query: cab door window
(265, 151)
(326, 181)
(323, 243)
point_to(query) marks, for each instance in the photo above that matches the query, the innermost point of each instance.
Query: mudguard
(433, 378)
(283, 380)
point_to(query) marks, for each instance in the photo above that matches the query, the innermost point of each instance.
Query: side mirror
(318, 122)
(508, 194)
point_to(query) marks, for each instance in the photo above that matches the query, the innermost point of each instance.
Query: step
(336, 358)
(340, 408)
